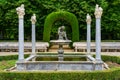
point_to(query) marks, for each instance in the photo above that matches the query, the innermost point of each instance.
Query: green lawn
(6, 64)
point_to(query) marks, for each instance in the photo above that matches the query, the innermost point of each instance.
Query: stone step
(65, 50)
(57, 46)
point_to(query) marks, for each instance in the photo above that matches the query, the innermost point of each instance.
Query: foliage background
(110, 26)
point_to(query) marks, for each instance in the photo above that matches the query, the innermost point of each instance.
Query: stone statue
(88, 19)
(98, 11)
(33, 19)
(20, 11)
(62, 33)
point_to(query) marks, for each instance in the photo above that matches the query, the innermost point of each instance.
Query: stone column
(88, 20)
(33, 21)
(98, 14)
(20, 11)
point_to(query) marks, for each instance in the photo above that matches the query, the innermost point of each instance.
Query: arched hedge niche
(61, 16)
(56, 25)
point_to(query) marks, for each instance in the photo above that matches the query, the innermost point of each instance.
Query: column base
(99, 60)
(21, 60)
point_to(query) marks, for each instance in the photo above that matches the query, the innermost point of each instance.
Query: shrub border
(112, 74)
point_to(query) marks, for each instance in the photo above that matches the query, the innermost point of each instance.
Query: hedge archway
(67, 16)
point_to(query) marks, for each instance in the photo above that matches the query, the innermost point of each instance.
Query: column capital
(98, 11)
(21, 11)
(88, 19)
(33, 19)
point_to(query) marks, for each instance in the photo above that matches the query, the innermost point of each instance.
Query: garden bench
(105, 46)
(13, 46)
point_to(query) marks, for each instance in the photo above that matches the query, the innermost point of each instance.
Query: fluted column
(33, 21)
(20, 11)
(88, 21)
(98, 14)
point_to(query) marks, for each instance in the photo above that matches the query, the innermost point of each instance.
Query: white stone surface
(60, 65)
(98, 14)
(88, 20)
(33, 21)
(98, 39)
(21, 39)
(21, 12)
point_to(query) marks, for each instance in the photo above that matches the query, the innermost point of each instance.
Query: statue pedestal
(60, 50)
(60, 53)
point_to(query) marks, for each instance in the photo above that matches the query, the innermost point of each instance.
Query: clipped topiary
(67, 16)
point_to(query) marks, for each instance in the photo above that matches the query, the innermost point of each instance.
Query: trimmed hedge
(69, 17)
(115, 59)
(111, 74)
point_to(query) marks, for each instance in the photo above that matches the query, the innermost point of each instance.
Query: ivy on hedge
(69, 17)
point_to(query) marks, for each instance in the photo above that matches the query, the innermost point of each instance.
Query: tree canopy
(110, 24)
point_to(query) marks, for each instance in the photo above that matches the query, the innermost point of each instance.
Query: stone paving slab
(11, 53)
(102, 53)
